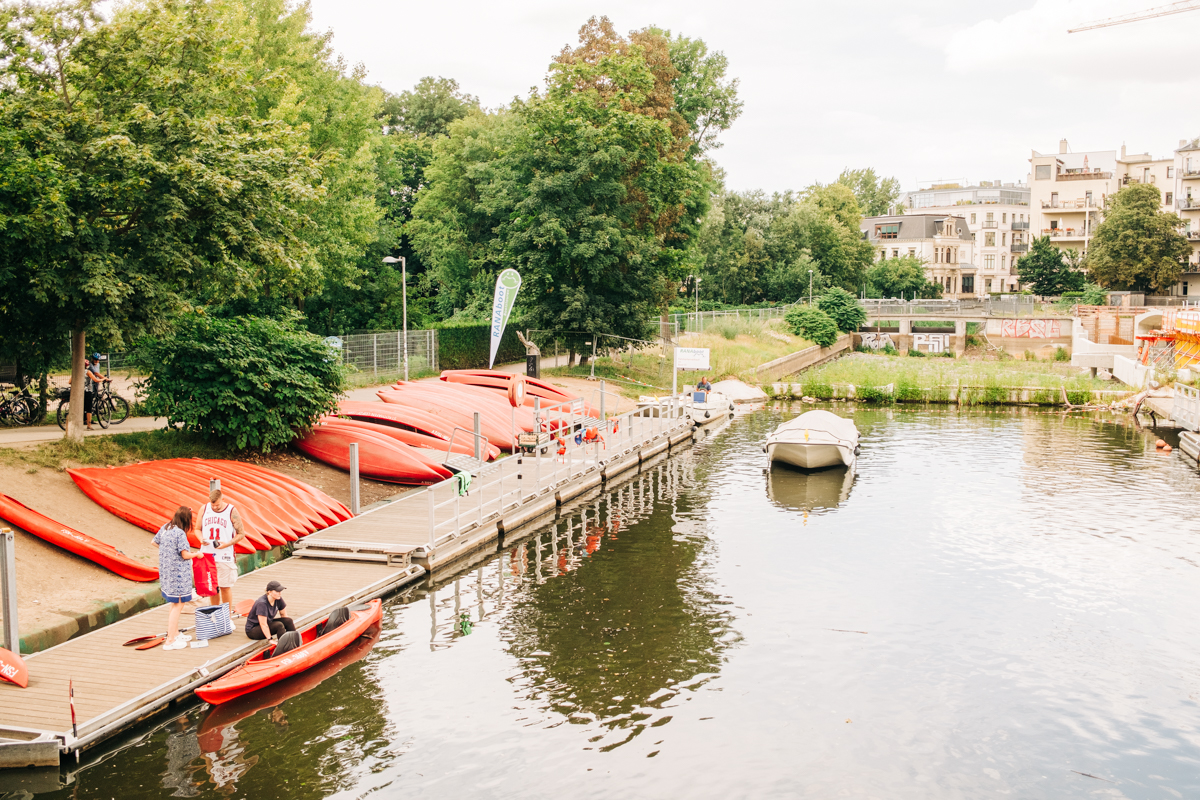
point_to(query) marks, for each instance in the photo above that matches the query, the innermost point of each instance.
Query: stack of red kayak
(382, 452)
(275, 508)
(500, 381)
(75, 542)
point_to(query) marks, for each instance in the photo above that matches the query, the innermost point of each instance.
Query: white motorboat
(814, 440)
(704, 407)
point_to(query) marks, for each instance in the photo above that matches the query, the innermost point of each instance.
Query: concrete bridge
(1015, 335)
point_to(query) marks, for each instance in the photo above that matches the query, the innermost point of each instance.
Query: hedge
(468, 346)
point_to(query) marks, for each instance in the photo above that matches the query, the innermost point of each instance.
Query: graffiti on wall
(933, 342)
(878, 341)
(1030, 328)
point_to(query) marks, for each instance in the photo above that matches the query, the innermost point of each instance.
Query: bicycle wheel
(101, 412)
(64, 409)
(118, 409)
(22, 414)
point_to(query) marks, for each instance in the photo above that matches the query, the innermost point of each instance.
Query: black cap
(275, 586)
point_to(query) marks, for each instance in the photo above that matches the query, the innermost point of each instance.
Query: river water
(998, 604)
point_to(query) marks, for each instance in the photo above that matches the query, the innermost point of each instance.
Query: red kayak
(379, 457)
(73, 541)
(457, 409)
(13, 669)
(534, 388)
(420, 422)
(266, 668)
(432, 458)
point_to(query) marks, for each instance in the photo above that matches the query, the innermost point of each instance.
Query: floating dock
(371, 555)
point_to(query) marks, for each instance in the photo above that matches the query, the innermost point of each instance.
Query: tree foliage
(843, 308)
(1137, 246)
(1045, 270)
(245, 383)
(875, 195)
(813, 324)
(902, 277)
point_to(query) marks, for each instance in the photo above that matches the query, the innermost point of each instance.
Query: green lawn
(864, 369)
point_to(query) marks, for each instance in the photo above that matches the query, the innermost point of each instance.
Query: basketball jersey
(217, 528)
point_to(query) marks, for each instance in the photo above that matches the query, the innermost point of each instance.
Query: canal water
(998, 604)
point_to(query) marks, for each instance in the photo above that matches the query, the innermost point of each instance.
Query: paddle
(13, 669)
(241, 608)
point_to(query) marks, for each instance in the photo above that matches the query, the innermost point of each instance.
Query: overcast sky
(920, 90)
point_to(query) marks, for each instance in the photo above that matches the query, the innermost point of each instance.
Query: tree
(1137, 246)
(134, 172)
(429, 107)
(812, 324)
(902, 277)
(704, 96)
(874, 195)
(246, 383)
(843, 308)
(1045, 271)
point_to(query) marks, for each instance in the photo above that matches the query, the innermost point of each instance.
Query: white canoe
(814, 440)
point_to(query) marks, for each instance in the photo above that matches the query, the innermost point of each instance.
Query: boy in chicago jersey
(221, 529)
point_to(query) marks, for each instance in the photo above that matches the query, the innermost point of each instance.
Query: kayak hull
(379, 457)
(262, 670)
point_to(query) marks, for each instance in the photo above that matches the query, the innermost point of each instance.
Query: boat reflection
(797, 490)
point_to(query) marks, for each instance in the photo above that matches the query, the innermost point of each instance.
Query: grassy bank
(949, 380)
(115, 450)
(735, 349)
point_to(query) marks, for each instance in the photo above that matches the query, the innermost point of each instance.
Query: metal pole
(603, 417)
(478, 451)
(404, 304)
(214, 485)
(674, 387)
(354, 500)
(8, 591)
(375, 353)
(593, 375)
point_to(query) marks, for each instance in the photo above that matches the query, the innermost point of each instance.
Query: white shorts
(227, 574)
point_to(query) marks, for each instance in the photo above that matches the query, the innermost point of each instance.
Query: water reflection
(822, 490)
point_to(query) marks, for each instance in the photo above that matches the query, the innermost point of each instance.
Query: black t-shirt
(263, 608)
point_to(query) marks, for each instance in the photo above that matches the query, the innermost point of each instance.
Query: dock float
(369, 556)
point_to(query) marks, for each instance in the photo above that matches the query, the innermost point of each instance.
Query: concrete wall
(802, 359)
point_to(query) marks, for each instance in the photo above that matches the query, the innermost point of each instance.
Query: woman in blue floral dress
(174, 572)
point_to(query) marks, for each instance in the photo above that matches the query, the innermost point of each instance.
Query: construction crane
(1150, 13)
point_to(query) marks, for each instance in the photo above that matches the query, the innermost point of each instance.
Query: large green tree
(902, 277)
(135, 172)
(1045, 271)
(1137, 246)
(874, 194)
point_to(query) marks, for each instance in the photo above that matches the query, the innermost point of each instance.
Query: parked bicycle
(15, 408)
(117, 406)
(99, 411)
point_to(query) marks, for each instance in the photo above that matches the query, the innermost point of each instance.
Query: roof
(914, 226)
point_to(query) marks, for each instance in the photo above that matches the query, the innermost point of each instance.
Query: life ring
(516, 391)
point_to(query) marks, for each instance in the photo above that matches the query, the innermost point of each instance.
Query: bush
(843, 308)
(1061, 354)
(915, 354)
(1030, 355)
(812, 324)
(468, 346)
(246, 382)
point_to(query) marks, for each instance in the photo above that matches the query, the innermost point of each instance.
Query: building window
(1004, 217)
(1171, 174)
(912, 252)
(968, 284)
(891, 231)
(1003, 261)
(1003, 239)
(972, 219)
(1041, 172)
(1054, 199)
(1170, 197)
(989, 239)
(895, 253)
(989, 263)
(882, 254)
(991, 217)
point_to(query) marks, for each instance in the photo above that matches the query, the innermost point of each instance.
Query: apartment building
(998, 217)
(1186, 187)
(942, 241)
(1068, 190)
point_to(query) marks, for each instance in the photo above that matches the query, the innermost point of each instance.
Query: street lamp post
(810, 272)
(696, 288)
(403, 304)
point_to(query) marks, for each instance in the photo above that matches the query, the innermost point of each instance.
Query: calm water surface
(997, 605)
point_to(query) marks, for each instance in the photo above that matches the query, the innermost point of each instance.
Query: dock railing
(509, 482)
(1186, 410)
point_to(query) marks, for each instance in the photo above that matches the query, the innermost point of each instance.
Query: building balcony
(1192, 236)
(1064, 233)
(1189, 174)
(1079, 204)
(1095, 175)
(1020, 226)
(989, 223)
(1019, 248)
(1187, 203)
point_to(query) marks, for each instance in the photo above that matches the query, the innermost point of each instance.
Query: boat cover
(818, 420)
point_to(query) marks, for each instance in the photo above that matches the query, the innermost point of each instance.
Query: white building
(943, 242)
(998, 218)
(1186, 188)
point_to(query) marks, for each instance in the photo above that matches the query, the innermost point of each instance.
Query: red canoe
(456, 408)
(263, 670)
(431, 458)
(13, 669)
(422, 422)
(379, 457)
(72, 540)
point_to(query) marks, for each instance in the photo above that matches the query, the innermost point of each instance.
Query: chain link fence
(382, 353)
(699, 322)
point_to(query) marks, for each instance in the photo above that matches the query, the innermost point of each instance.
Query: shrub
(1030, 355)
(468, 346)
(1061, 354)
(246, 382)
(843, 309)
(812, 324)
(915, 353)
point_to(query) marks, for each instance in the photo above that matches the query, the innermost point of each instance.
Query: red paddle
(241, 608)
(13, 669)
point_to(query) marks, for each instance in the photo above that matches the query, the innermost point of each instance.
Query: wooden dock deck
(365, 557)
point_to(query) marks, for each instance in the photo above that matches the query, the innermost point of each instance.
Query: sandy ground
(52, 583)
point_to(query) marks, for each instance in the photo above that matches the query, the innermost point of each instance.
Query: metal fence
(699, 322)
(383, 352)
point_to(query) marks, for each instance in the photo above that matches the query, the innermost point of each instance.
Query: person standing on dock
(221, 529)
(174, 574)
